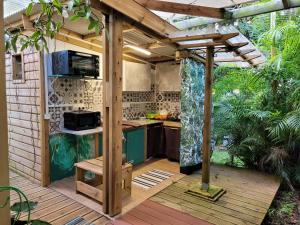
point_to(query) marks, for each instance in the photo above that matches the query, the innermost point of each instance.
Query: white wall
(168, 76)
(137, 77)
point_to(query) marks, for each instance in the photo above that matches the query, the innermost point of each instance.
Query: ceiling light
(138, 49)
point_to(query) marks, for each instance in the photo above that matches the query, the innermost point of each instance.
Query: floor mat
(151, 178)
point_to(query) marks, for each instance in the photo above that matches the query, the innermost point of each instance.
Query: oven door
(84, 64)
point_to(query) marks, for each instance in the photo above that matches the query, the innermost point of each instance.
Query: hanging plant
(49, 22)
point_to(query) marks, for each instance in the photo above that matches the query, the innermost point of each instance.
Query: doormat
(151, 178)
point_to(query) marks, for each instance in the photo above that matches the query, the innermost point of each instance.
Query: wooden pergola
(123, 20)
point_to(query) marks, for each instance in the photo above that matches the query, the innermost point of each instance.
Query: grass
(222, 157)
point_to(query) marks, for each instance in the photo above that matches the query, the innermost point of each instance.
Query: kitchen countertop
(172, 124)
(140, 123)
(127, 125)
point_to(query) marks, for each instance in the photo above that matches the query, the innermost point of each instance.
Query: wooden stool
(93, 188)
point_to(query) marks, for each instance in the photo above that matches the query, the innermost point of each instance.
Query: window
(18, 67)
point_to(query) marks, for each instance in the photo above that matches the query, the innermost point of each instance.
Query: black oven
(72, 63)
(82, 120)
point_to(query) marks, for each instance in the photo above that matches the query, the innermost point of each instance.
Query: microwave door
(83, 64)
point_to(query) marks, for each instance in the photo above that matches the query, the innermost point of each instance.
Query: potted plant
(24, 205)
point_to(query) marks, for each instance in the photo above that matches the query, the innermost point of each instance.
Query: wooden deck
(138, 195)
(149, 213)
(248, 198)
(53, 207)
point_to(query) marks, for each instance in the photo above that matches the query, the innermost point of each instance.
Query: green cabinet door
(101, 144)
(135, 146)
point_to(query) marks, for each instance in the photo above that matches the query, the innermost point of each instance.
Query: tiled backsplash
(71, 94)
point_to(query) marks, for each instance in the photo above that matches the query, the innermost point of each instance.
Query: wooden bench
(93, 187)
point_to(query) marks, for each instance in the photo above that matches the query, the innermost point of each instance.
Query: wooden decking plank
(178, 215)
(237, 194)
(101, 221)
(67, 218)
(116, 222)
(133, 220)
(52, 205)
(46, 205)
(142, 215)
(268, 184)
(164, 217)
(235, 212)
(52, 216)
(242, 190)
(179, 190)
(29, 189)
(92, 216)
(203, 209)
(32, 195)
(190, 211)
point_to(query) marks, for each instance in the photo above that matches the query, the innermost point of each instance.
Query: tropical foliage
(260, 108)
(49, 22)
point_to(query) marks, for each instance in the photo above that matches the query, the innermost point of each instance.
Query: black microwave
(72, 63)
(82, 120)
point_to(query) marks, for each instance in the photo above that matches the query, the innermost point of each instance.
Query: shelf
(82, 132)
(73, 77)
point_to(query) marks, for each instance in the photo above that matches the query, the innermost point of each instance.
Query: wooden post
(112, 113)
(207, 117)
(4, 176)
(44, 127)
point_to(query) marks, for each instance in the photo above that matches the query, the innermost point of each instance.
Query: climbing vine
(49, 22)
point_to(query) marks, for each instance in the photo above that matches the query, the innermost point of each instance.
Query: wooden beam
(239, 12)
(245, 52)
(44, 127)
(78, 42)
(251, 57)
(181, 8)
(134, 58)
(183, 36)
(286, 4)
(233, 59)
(238, 45)
(157, 59)
(112, 114)
(4, 174)
(207, 118)
(139, 14)
(201, 45)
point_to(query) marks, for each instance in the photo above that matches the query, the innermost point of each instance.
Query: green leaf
(23, 206)
(29, 9)
(93, 23)
(74, 18)
(24, 46)
(81, 14)
(57, 4)
(39, 222)
(14, 43)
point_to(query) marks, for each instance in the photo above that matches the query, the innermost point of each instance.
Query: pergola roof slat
(183, 8)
